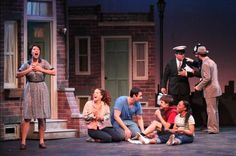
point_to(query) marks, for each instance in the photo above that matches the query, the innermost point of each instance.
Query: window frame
(135, 71)
(77, 65)
(14, 83)
(78, 97)
(39, 2)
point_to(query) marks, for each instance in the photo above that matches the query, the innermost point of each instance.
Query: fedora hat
(202, 50)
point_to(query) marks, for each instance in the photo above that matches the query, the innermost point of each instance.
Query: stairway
(55, 129)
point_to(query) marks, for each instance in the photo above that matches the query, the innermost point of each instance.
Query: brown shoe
(42, 146)
(22, 146)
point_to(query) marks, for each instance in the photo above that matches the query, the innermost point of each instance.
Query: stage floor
(223, 143)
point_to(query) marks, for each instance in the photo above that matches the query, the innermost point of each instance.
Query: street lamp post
(161, 8)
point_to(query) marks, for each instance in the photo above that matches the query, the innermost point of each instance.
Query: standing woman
(36, 96)
(184, 125)
(97, 116)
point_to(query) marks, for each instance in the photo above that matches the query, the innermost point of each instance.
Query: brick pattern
(10, 109)
(67, 108)
(61, 45)
(90, 27)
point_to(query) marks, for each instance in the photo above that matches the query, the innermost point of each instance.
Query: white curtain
(10, 51)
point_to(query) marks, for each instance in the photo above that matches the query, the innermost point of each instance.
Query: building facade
(88, 48)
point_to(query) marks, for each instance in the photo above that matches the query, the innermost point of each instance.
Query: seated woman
(97, 116)
(183, 131)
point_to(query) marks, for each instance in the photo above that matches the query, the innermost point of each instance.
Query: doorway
(39, 34)
(116, 66)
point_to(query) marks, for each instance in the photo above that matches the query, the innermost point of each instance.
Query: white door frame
(53, 26)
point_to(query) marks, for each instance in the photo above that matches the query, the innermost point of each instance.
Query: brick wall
(61, 45)
(10, 108)
(93, 27)
(69, 110)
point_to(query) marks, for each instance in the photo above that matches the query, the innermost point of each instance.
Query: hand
(38, 68)
(189, 59)
(33, 68)
(171, 130)
(127, 134)
(183, 73)
(180, 131)
(100, 118)
(163, 90)
(196, 88)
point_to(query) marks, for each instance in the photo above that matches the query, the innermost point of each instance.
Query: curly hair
(106, 97)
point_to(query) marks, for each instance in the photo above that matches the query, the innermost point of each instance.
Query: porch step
(55, 129)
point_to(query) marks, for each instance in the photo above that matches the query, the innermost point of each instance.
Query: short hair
(134, 91)
(167, 99)
(31, 48)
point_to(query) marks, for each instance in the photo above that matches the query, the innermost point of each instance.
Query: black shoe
(42, 146)
(22, 146)
(212, 132)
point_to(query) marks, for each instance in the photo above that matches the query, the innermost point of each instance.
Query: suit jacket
(196, 65)
(177, 85)
(209, 82)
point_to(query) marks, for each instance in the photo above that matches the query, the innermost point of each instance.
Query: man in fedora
(198, 103)
(176, 76)
(211, 89)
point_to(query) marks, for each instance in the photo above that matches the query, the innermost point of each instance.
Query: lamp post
(161, 9)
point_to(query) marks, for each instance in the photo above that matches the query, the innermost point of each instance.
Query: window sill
(15, 93)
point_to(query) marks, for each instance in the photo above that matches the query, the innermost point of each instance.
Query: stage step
(55, 129)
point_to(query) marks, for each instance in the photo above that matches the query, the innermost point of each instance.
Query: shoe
(171, 140)
(209, 132)
(134, 141)
(137, 136)
(143, 139)
(22, 146)
(42, 146)
(90, 140)
(203, 129)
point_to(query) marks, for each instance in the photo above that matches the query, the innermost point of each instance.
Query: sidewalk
(204, 144)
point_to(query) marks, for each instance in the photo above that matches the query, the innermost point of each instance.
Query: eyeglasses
(180, 53)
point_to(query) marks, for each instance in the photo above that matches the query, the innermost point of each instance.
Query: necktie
(180, 64)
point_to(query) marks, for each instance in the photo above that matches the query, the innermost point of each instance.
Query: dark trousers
(198, 105)
(105, 135)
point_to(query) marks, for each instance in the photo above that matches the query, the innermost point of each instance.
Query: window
(81, 101)
(39, 8)
(10, 54)
(144, 104)
(82, 55)
(140, 60)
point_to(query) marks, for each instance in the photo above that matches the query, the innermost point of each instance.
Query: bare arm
(20, 74)
(122, 125)
(140, 122)
(160, 118)
(46, 71)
